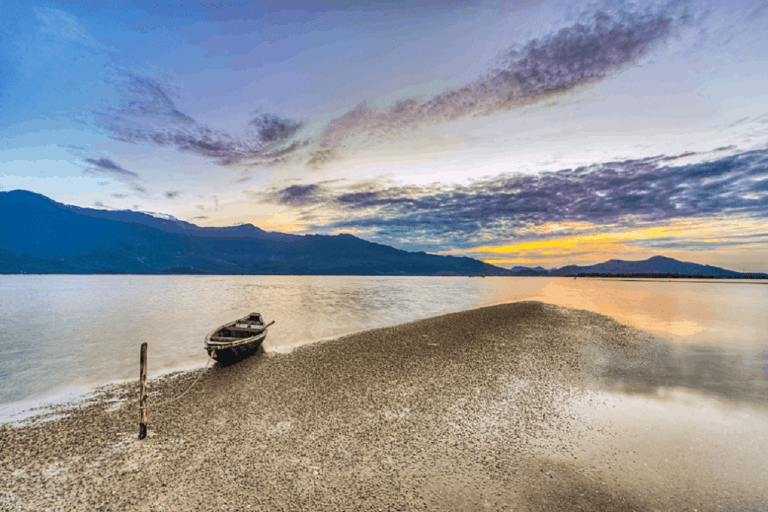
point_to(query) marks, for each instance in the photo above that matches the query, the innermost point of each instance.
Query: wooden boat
(237, 339)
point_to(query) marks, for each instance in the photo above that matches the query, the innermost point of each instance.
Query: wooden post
(143, 396)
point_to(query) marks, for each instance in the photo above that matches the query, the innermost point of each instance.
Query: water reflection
(674, 309)
(64, 331)
(730, 375)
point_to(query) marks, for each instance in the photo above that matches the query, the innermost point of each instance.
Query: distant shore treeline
(672, 276)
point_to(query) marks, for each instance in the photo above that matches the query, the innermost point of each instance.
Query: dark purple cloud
(270, 128)
(300, 195)
(582, 53)
(616, 193)
(585, 52)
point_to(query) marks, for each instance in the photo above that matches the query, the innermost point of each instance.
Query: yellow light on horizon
(283, 222)
(572, 242)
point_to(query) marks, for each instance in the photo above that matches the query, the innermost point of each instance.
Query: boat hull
(237, 340)
(231, 354)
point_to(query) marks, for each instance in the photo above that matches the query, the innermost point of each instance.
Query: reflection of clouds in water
(651, 311)
(733, 376)
(763, 357)
(684, 328)
(644, 305)
(726, 314)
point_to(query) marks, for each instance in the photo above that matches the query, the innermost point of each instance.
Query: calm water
(65, 333)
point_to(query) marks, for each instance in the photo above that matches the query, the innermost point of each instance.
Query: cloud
(721, 238)
(322, 157)
(675, 243)
(107, 167)
(148, 115)
(583, 53)
(296, 196)
(300, 195)
(758, 12)
(65, 26)
(172, 194)
(620, 194)
(269, 128)
(145, 97)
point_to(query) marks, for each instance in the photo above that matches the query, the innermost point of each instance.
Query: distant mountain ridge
(41, 236)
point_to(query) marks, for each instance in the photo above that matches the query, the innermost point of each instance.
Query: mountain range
(41, 236)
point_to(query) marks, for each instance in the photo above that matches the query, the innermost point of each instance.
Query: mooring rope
(190, 386)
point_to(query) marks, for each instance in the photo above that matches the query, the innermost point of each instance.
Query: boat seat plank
(254, 328)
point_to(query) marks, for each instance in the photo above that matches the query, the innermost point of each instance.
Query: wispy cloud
(105, 166)
(322, 156)
(66, 26)
(148, 115)
(144, 97)
(583, 53)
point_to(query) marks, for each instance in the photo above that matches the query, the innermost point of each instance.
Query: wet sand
(478, 410)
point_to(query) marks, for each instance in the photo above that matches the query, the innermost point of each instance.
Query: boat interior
(246, 327)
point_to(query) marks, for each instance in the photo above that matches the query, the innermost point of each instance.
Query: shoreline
(469, 410)
(19, 412)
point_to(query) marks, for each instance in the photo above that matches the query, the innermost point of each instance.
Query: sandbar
(476, 410)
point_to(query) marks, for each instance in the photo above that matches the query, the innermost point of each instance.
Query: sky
(522, 133)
